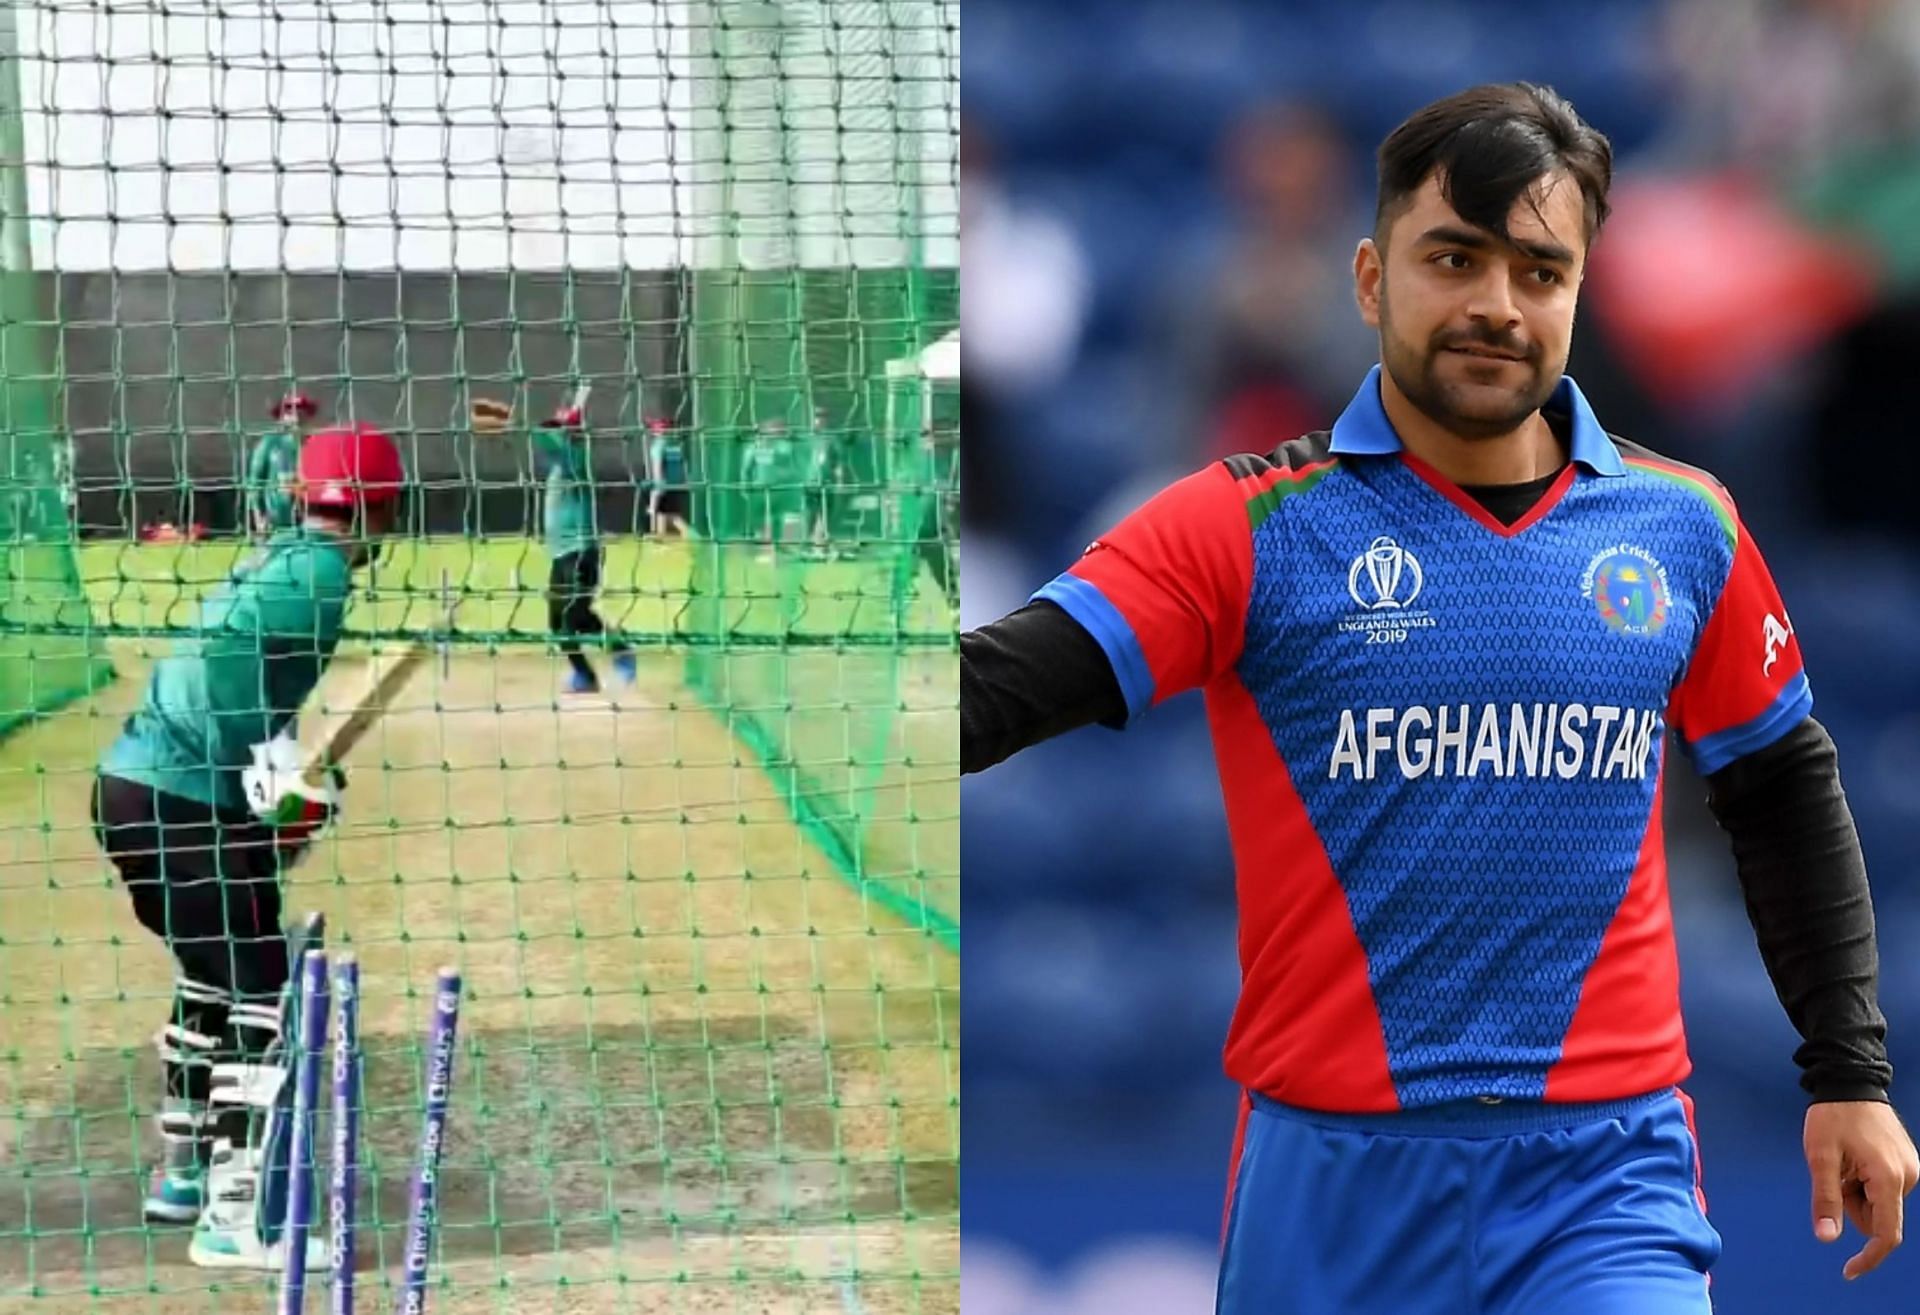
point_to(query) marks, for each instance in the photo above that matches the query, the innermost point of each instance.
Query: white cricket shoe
(229, 1234)
(221, 1248)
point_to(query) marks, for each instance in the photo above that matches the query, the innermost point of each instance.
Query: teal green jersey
(667, 462)
(569, 514)
(262, 641)
(768, 460)
(271, 468)
(819, 458)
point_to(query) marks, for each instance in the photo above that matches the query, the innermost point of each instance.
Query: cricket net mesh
(708, 1049)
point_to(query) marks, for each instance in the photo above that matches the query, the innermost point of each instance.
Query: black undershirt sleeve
(1805, 883)
(1031, 675)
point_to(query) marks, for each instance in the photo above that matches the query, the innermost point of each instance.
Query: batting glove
(279, 795)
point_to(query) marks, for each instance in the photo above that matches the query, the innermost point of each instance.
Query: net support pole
(16, 251)
(22, 372)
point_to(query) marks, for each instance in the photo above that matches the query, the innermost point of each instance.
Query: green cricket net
(708, 1059)
(828, 569)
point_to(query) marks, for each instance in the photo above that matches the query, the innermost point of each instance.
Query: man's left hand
(279, 795)
(1862, 1161)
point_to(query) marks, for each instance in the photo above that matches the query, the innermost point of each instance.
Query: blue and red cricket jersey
(1440, 742)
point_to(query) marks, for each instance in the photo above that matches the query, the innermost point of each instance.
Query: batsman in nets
(1442, 645)
(203, 806)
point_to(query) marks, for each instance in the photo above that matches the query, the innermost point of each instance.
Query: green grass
(497, 585)
(647, 592)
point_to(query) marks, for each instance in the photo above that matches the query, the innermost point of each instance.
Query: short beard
(1416, 376)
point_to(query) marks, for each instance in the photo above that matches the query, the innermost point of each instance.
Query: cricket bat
(386, 676)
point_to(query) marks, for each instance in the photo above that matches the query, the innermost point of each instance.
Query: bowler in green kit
(573, 544)
(273, 464)
(192, 807)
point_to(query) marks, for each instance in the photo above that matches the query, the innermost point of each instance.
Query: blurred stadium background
(1159, 207)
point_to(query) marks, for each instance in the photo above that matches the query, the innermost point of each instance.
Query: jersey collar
(1364, 430)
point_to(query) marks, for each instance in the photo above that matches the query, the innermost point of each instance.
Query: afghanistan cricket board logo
(1629, 589)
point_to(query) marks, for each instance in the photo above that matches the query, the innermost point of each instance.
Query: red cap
(567, 417)
(347, 466)
(658, 425)
(298, 403)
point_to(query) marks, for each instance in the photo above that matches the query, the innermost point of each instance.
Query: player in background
(189, 809)
(272, 464)
(574, 555)
(822, 479)
(937, 541)
(767, 470)
(573, 545)
(1442, 644)
(668, 483)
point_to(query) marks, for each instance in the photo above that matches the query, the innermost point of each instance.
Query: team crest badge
(1629, 590)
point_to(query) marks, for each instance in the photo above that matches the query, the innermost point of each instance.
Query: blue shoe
(627, 667)
(582, 682)
(174, 1197)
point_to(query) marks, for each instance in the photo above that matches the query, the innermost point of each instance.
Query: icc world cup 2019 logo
(1385, 575)
(1629, 590)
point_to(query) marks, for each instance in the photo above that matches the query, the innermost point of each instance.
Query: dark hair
(1490, 144)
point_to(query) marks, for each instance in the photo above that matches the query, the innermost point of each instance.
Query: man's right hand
(1863, 1165)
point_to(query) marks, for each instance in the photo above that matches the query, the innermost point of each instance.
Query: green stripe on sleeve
(1694, 483)
(1263, 504)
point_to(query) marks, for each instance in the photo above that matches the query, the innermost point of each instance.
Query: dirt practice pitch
(697, 1071)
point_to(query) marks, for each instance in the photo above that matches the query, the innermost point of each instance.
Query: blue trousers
(1515, 1208)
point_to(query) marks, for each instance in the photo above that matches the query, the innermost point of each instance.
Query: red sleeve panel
(1746, 685)
(1165, 592)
